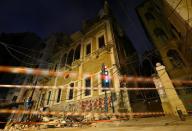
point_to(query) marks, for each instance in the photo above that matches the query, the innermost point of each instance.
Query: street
(139, 128)
(142, 124)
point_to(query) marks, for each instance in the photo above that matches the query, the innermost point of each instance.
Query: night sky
(47, 16)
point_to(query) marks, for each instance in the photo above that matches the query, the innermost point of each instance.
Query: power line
(21, 47)
(35, 59)
(174, 8)
(18, 59)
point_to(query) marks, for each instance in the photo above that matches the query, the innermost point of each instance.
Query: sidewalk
(154, 121)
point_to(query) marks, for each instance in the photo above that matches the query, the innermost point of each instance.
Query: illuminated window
(101, 41)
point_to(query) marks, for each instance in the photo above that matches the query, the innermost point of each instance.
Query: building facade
(100, 42)
(168, 36)
(179, 14)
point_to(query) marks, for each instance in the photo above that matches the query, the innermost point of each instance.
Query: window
(149, 16)
(175, 32)
(64, 60)
(49, 96)
(70, 57)
(55, 67)
(88, 86)
(58, 95)
(160, 33)
(14, 99)
(88, 49)
(101, 41)
(42, 99)
(71, 91)
(77, 52)
(175, 59)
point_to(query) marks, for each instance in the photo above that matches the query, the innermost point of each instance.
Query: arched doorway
(145, 100)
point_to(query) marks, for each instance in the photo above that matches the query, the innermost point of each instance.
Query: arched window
(149, 16)
(64, 60)
(175, 59)
(161, 34)
(147, 68)
(70, 57)
(77, 52)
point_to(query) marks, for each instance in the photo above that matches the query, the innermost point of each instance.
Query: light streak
(60, 113)
(52, 73)
(81, 88)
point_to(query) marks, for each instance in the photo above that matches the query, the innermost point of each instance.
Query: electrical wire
(34, 59)
(18, 59)
(174, 8)
(21, 47)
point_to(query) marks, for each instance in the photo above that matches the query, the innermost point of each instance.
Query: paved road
(142, 124)
(139, 128)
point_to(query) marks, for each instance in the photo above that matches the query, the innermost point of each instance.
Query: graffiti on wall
(95, 105)
(71, 107)
(89, 105)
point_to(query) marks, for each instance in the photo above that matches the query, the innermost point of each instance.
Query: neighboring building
(18, 49)
(165, 38)
(179, 14)
(168, 35)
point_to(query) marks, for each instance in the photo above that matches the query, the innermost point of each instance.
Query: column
(173, 103)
